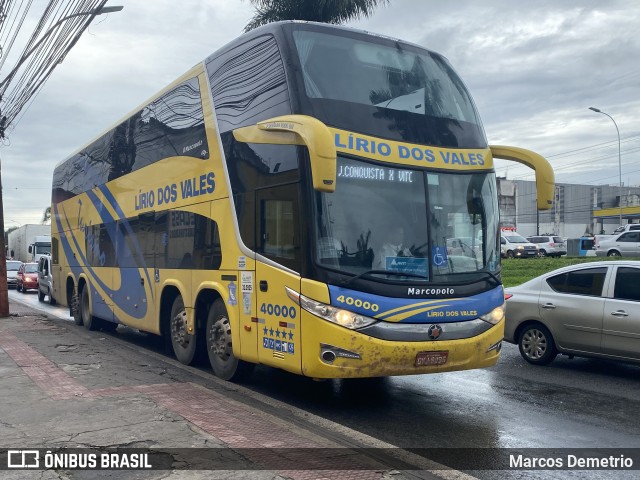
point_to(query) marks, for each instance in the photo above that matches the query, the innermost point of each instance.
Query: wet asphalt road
(577, 403)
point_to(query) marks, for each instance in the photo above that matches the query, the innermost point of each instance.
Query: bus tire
(75, 309)
(224, 363)
(90, 322)
(183, 343)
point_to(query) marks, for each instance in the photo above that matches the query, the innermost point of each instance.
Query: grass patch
(519, 270)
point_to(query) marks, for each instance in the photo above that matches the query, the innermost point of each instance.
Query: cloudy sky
(533, 69)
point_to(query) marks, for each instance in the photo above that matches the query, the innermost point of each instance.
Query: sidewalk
(63, 387)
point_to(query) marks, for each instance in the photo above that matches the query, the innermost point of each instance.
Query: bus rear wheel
(89, 321)
(224, 363)
(74, 308)
(183, 343)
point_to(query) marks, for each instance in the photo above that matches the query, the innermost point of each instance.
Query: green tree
(325, 11)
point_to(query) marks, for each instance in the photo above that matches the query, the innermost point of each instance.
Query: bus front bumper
(331, 351)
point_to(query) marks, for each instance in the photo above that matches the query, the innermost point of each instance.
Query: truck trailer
(29, 242)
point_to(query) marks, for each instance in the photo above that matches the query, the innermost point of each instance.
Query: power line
(58, 29)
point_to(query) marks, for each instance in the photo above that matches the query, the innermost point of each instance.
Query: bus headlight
(341, 317)
(495, 316)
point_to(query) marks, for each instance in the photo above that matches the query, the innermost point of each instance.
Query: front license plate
(425, 359)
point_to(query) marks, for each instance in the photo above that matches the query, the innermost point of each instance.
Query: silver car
(12, 272)
(626, 244)
(588, 310)
(45, 279)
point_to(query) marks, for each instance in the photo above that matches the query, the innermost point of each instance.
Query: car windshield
(31, 268)
(515, 239)
(13, 266)
(420, 223)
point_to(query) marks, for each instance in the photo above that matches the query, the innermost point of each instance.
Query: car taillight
(552, 244)
(507, 296)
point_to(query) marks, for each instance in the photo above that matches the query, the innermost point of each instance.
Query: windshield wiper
(493, 276)
(370, 273)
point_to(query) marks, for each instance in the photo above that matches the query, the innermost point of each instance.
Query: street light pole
(597, 110)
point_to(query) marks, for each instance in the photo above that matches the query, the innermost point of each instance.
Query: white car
(513, 245)
(549, 245)
(587, 310)
(626, 228)
(625, 244)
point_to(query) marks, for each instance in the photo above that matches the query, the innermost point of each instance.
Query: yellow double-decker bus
(309, 197)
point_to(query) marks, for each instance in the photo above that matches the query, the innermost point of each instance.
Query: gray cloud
(533, 69)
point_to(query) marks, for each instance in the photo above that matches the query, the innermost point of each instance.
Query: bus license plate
(425, 359)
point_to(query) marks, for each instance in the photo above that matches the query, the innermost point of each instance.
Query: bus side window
(248, 83)
(187, 240)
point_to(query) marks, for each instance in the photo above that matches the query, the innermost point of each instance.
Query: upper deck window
(393, 90)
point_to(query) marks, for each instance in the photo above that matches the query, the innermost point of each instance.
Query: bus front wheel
(219, 346)
(183, 343)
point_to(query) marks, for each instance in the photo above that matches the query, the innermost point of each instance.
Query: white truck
(29, 242)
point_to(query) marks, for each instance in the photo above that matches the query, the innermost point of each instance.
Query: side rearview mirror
(298, 130)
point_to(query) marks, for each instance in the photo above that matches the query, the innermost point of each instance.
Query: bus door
(278, 239)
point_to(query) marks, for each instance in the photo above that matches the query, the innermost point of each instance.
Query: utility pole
(4, 289)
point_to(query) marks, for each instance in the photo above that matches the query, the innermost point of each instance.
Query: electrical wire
(60, 26)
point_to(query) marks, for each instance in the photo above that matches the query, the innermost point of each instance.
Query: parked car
(45, 279)
(513, 245)
(27, 277)
(549, 245)
(586, 310)
(625, 244)
(12, 272)
(627, 228)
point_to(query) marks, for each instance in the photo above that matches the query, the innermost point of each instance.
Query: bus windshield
(426, 224)
(393, 90)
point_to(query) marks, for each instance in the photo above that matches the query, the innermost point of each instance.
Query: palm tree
(46, 216)
(326, 11)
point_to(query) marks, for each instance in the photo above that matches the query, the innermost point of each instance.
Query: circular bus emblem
(434, 332)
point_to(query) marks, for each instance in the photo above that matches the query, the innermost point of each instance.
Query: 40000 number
(356, 302)
(278, 310)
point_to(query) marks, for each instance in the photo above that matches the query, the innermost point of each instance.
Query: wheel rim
(534, 344)
(179, 333)
(219, 339)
